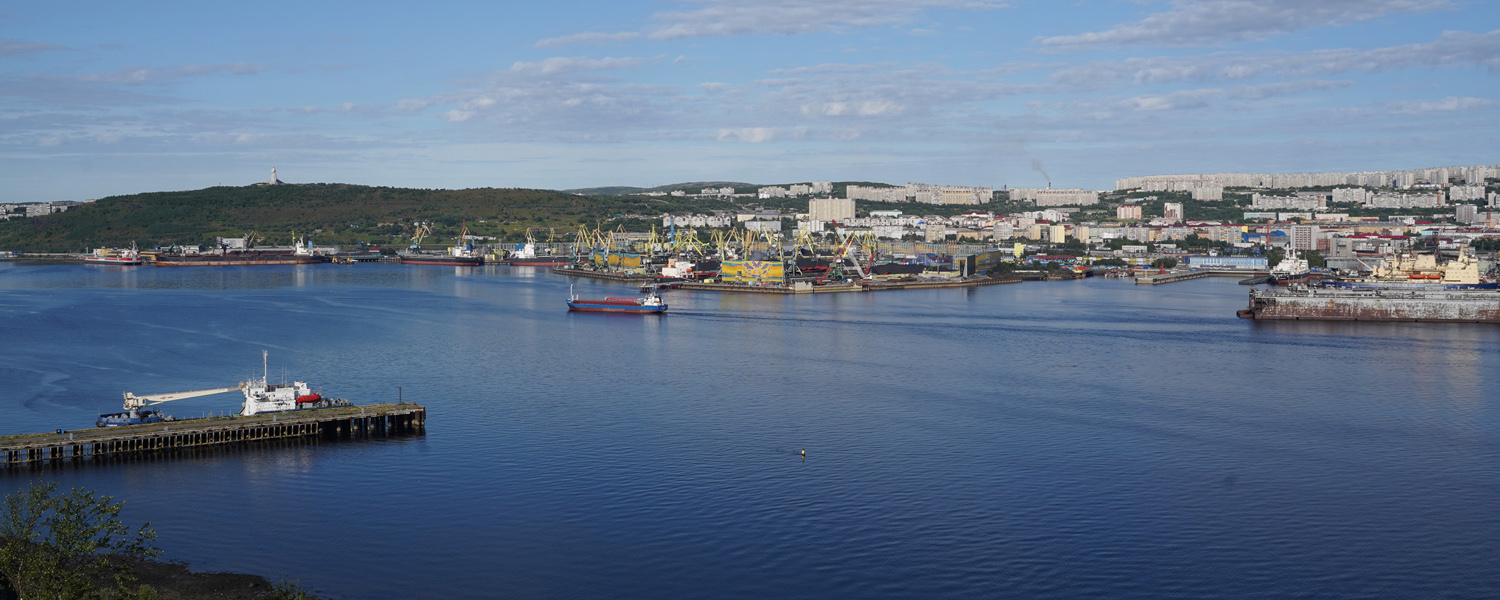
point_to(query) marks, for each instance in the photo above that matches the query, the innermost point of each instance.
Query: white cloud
(413, 104)
(1199, 98)
(566, 64)
(749, 135)
(457, 116)
(13, 47)
(1449, 104)
(1451, 49)
(144, 75)
(1213, 22)
(588, 37)
(706, 18)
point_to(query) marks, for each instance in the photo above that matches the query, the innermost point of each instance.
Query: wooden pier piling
(353, 422)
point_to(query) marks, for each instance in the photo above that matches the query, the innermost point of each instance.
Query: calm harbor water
(1088, 439)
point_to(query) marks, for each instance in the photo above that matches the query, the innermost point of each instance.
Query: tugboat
(648, 302)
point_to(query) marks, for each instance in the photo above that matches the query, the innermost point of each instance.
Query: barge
(1306, 303)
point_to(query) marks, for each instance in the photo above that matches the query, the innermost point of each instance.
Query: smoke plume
(1036, 165)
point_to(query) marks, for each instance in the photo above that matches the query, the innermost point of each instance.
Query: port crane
(134, 402)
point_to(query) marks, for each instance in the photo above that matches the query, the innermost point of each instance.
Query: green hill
(331, 213)
(691, 187)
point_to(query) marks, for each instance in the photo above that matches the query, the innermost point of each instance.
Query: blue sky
(105, 98)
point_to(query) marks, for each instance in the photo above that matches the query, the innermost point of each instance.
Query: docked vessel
(302, 253)
(648, 302)
(1299, 302)
(460, 254)
(260, 396)
(114, 256)
(1420, 271)
(1291, 269)
(525, 255)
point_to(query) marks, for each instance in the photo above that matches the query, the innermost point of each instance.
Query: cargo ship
(1307, 303)
(301, 254)
(648, 302)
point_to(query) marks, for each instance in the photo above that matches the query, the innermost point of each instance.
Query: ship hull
(1324, 304)
(615, 306)
(96, 260)
(223, 260)
(554, 261)
(450, 261)
(1290, 279)
(1408, 285)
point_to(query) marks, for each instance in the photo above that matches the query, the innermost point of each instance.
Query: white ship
(262, 396)
(114, 256)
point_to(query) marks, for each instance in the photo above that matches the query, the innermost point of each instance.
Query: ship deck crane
(134, 402)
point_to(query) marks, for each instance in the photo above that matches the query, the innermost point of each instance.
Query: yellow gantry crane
(422, 231)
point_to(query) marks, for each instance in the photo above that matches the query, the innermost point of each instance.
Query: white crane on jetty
(134, 402)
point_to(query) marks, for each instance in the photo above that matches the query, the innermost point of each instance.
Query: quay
(600, 274)
(874, 286)
(351, 422)
(1175, 276)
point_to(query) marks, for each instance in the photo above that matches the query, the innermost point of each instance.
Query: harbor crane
(134, 402)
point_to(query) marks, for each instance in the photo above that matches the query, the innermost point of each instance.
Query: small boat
(648, 302)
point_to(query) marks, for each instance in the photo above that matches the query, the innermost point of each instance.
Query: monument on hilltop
(274, 180)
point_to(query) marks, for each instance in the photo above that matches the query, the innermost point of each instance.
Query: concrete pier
(353, 422)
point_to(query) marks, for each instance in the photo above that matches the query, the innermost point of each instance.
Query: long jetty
(353, 422)
(1175, 276)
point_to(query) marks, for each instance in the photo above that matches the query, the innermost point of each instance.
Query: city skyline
(117, 100)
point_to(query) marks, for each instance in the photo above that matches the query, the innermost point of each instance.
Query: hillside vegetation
(342, 214)
(330, 213)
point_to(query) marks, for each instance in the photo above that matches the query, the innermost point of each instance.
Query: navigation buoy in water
(804, 454)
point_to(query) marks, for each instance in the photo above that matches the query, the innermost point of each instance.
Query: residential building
(830, 209)
(1305, 237)
(1172, 211)
(1128, 212)
(1055, 197)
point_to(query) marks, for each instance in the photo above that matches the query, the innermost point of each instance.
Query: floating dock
(352, 422)
(1329, 304)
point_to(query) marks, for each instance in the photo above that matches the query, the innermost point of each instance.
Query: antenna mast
(264, 371)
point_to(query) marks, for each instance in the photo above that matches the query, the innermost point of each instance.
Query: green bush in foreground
(69, 545)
